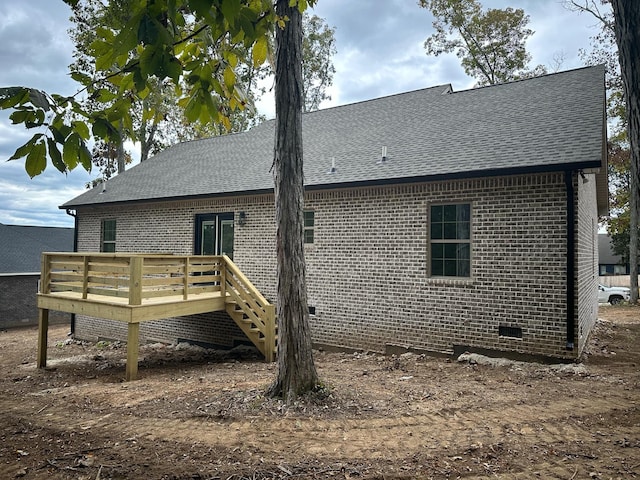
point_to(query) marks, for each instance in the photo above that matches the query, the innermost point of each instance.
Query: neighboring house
(614, 272)
(608, 262)
(20, 250)
(434, 220)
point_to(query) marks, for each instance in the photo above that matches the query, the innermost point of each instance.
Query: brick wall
(367, 269)
(587, 258)
(18, 306)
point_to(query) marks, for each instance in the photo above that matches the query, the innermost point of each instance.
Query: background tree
(618, 225)
(627, 29)
(87, 15)
(604, 51)
(491, 44)
(318, 49)
(158, 119)
(153, 44)
(624, 239)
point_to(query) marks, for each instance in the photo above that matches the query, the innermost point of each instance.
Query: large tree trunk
(296, 372)
(627, 28)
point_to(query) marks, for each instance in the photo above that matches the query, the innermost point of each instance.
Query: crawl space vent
(512, 332)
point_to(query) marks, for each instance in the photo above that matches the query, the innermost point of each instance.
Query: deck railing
(143, 279)
(136, 277)
(258, 313)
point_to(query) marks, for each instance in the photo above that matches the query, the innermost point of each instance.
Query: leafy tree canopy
(604, 51)
(160, 39)
(491, 44)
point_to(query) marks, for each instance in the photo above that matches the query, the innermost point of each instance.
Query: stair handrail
(250, 287)
(267, 324)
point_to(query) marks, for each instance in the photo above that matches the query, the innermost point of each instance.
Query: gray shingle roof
(550, 122)
(21, 246)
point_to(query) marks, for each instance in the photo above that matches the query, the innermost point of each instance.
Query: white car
(613, 295)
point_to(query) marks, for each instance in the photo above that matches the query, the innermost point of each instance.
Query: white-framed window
(450, 240)
(108, 243)
(309, 226)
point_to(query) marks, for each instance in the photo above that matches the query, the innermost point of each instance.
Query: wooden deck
(134, 288)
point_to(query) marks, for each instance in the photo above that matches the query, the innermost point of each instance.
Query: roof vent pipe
(333, 168)
(384, 155)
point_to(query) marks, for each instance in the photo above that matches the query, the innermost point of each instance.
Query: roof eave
(561, 167)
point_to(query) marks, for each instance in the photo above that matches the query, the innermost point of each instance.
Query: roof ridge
(369, 100)
(536, 77)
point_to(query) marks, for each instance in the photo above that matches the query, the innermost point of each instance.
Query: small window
(450, 240)
(309, 224)
(108, 236)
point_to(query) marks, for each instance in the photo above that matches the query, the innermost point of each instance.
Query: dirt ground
(197, 414)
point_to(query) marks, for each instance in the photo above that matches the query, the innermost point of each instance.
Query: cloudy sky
(380, 52)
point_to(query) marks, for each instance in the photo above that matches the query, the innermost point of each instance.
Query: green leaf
(61, 100)
(106, 96)
(59, 129)
(249, 31)
(231, 58)
(125, 41)
(147, 30)
(70, 151)
(229, 78)
(104, 62)
(202, 8)
(56, 157)
(39, 99)
(20, 116)
(85, 157)
(174, 69)
(260, 51)
(34, 119)
(81, 129)
(12, 96)
(81, 78)
(193, 108)
(127, 122)
(139, 80)
(26, 148)
(230, 10)
(150, 60)
(36, 161)
(103, 129)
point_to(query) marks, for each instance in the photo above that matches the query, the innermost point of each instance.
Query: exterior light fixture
(242, 218)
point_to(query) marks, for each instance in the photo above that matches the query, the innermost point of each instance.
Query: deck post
(135, 280)
(45, 273)
(270, 333)
(43, 334)
(133, 337)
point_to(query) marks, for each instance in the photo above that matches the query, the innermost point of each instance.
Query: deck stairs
(250, 310)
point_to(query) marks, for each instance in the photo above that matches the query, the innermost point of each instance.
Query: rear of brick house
(434, 220)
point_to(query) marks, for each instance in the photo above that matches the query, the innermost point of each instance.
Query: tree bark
(296, 372)
(627, 29)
